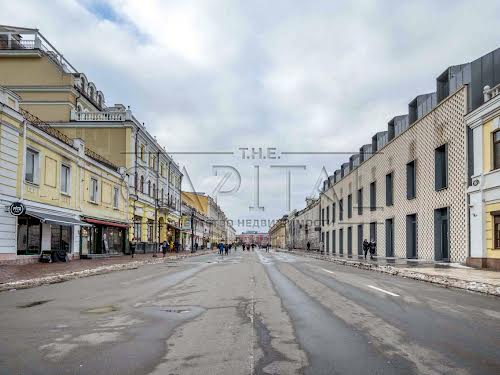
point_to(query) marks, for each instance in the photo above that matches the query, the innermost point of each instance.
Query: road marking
(324, 269)
(384, 291)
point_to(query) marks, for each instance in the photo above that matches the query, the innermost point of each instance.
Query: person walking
(226, 249)
(177, 246)
(171, 246)
(366, 247)
(164, 248)
(221, 248)
(196, 246)
(373, 248)
(308, 246)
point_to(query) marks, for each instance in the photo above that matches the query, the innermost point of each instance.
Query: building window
(341, 209)
(137, 228)
(360, 201)
(65, 178)
(141, 187)
(441, 167)
(150, 230)
(389, 189)
(411, 180)
(154, 191)
(333, 212)
(29, 235)
(162, 196)
(496, 150)
(31, 174)
(143, 149)
(322, 216)
(496, 229)
(116, 197)
(60, 238)
(93, 190)
(149, 188)
(327, 215)
(349, 206)
(373, 196)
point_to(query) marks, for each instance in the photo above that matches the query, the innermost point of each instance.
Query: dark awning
(107, 223)
(54, 219)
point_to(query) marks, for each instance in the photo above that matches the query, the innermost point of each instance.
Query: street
(248, 313)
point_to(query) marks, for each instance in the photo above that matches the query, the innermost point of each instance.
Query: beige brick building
(407, 189)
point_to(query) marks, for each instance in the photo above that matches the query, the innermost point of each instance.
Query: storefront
(103, 238)
(39, 231)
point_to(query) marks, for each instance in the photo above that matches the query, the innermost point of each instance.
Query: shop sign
(17, 209)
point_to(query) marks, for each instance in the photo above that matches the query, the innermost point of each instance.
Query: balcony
(490, 93)
(23, 39)
(101, 115)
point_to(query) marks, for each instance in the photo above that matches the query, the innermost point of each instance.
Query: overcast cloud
(295, 75)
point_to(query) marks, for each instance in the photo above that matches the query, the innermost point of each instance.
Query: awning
(107, 223)
(55, 219)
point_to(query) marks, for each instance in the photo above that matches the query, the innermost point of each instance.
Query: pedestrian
(373, 248)
(308, 246)
(196, 246)
(171, 246)
(164, 247)
(267, 248)
(177, 246)
(132, 248)
(366, 247)
(226, 249)
(253, 247)
(221, 248)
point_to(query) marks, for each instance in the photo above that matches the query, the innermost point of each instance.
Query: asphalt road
(248, 313)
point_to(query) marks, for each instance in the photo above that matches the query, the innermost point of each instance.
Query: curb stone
(54, 279)
(446, 281)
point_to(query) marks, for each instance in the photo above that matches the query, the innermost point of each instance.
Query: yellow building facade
(70, 200)
(484, 192)
(53, 90)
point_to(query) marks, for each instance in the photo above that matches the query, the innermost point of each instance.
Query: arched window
(79, 108)
(91, 92)
(83, 83)
(149, 188)
(142, 184)
(161, 195)
(136, 180)
(154, 190)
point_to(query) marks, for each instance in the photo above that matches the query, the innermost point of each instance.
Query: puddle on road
(35, 303)
(100, 310)
(176, 311)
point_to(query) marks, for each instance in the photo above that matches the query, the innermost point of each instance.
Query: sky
(216, 76)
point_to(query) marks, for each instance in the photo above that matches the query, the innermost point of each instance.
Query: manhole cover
(35, 303)
(101, 310)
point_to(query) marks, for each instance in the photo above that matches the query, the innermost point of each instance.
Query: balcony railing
(36, 122)
(94, 155)
(100, 116)
(491, 93)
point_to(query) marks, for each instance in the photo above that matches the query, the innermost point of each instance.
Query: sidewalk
(34, 274)
(446, 274)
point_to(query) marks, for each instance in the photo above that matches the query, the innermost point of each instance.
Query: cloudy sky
(300, 76)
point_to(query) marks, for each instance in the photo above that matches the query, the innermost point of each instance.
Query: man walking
(373, 248)
(366, 247)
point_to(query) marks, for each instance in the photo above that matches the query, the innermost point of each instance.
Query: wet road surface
(248, 313)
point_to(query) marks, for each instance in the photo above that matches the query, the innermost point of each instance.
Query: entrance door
(327, 250)
(389, 237)
(360, 239)
(411, 236)
(349, 241)
(341, 241)
(441, 234)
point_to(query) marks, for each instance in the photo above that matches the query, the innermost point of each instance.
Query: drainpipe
(24, 160)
